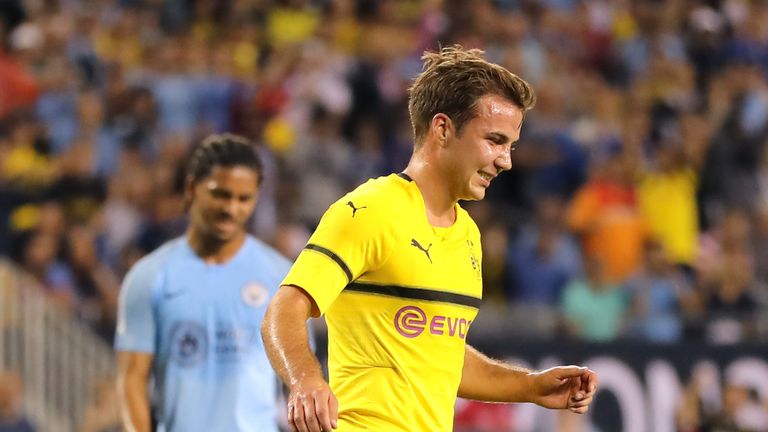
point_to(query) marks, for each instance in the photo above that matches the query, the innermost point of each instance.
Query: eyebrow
(229, 193)
(498, 137)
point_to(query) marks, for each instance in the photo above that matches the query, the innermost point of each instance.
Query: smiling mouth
(485, 176)
(224, 222)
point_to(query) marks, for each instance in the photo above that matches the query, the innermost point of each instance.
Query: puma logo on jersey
(355, 209)
(418, 246)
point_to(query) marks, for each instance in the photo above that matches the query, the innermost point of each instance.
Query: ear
(441, 128)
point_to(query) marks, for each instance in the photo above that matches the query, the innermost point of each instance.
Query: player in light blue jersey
(190, 312)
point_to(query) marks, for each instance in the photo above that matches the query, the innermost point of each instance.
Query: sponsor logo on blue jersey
(189, 343)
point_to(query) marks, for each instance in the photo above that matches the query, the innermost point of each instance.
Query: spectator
(593, 307)
(174, 89)
(96, 284)
(726, 278)
(543, 258)
(667, 188)
(660, 298)
(12, 418)
(18, 88)
(659, 106)
(321, 164)
(739, 410)
(605, 214)
(40, 259)
(26, 163)
(729, 306)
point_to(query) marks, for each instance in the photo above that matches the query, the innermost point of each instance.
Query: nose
(503, 161)
(230, 206)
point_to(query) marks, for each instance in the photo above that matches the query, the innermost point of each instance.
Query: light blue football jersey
(202, 324)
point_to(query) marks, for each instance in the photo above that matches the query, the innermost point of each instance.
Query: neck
(440, 204)
(211, 250)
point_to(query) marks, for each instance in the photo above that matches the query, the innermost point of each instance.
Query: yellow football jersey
(399, 297)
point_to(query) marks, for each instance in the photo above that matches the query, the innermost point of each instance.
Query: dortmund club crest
(474, 261)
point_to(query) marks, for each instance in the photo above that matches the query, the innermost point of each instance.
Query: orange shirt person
(605, 213)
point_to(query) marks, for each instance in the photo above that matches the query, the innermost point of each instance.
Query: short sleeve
(348, 242)
(136, 321)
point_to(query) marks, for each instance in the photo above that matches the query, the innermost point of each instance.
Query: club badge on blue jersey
(254, 294)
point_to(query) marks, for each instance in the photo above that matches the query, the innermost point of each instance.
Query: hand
(312, 407)
(564, 387)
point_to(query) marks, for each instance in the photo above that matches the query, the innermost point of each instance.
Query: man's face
(483, 148)
(222, 202)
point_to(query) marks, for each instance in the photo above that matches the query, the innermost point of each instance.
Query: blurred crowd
(101, 413)
(637, 206)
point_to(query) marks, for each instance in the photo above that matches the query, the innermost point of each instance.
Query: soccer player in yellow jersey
(395, 267)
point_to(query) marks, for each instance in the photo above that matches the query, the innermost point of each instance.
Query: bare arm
(490, 380)
(133, 370)
(311, 404)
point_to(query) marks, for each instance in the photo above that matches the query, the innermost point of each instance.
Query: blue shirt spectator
(540, 263)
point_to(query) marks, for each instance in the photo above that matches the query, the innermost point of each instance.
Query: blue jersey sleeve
(136, 326)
